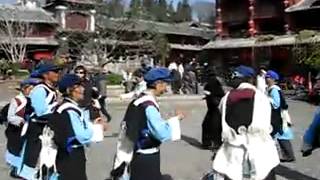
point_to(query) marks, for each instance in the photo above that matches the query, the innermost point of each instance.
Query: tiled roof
(25, 14)
(163, 28)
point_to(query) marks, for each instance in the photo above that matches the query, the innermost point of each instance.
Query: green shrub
(114, 79)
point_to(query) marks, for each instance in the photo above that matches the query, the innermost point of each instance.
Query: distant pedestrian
(211, 126)
(139, 88)
(261, 80)
(281, 127)
(92, 100)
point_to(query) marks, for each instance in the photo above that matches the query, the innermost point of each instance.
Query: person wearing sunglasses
(73, 130)
(92, 100)
(44, 99)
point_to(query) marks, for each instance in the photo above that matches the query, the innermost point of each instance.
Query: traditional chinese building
(35, 27)
(254, 32)
(185, 39)
(77, 23)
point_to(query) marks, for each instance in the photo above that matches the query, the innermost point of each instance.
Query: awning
(236, 43)
(31, 41)
(302, 5)
(186, 47)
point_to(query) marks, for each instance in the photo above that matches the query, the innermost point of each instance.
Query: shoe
(13, 174)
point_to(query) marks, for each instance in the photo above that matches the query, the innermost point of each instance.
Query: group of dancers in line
(50, 122)
(53, 119)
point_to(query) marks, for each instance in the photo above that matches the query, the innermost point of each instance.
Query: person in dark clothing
(92, 100)
(211, 126)
(176, 81)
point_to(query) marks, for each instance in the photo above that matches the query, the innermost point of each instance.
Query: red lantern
(219, 10)
(251, 8)
(251, 23)
(251, 1)
(219, 21)
(219, 30)
(286, 3)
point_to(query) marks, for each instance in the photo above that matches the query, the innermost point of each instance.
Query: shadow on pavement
(288, 173)
(166, 177)
(192, 141)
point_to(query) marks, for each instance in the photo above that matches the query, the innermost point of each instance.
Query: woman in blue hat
(281, 126)
(73, 130)
(143, 130)
(18, 108)
(44, 99)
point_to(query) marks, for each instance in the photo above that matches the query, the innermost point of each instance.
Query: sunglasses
(79, 72)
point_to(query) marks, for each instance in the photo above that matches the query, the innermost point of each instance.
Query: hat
(67, 81)
(46, 67)
(35, 74)
(29, 82)
(244, 71)
(273, 75)
(157, 74)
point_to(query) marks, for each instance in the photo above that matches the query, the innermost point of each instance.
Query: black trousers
(145, 167)
(286, 148)
(71, 165)
(211, 128)
(14, 139)
(33, 144)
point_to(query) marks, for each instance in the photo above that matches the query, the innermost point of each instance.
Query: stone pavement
(184, 160)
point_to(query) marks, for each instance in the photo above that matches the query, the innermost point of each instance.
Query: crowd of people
(55, 117)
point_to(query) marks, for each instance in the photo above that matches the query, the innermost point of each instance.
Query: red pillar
(252, 24)
(287, 27)
(219, 23)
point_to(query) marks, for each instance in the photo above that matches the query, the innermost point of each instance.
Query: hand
(99, 120)
(105, 126)
(180, 114)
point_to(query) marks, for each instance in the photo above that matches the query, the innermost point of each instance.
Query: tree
(171, 12)
(116, 8)
(135, 8)
(148, 5)
(161, 11)
(184, 11)
(178, 16)
(13, 34)
(308, 54)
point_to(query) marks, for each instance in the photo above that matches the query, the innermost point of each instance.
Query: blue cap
(67, 81)
(29, 81)
(244, 71)
(46, 67)
(35, 74)
(157, 74)
(273, 75)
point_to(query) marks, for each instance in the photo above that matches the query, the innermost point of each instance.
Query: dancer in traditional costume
(143, 130)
